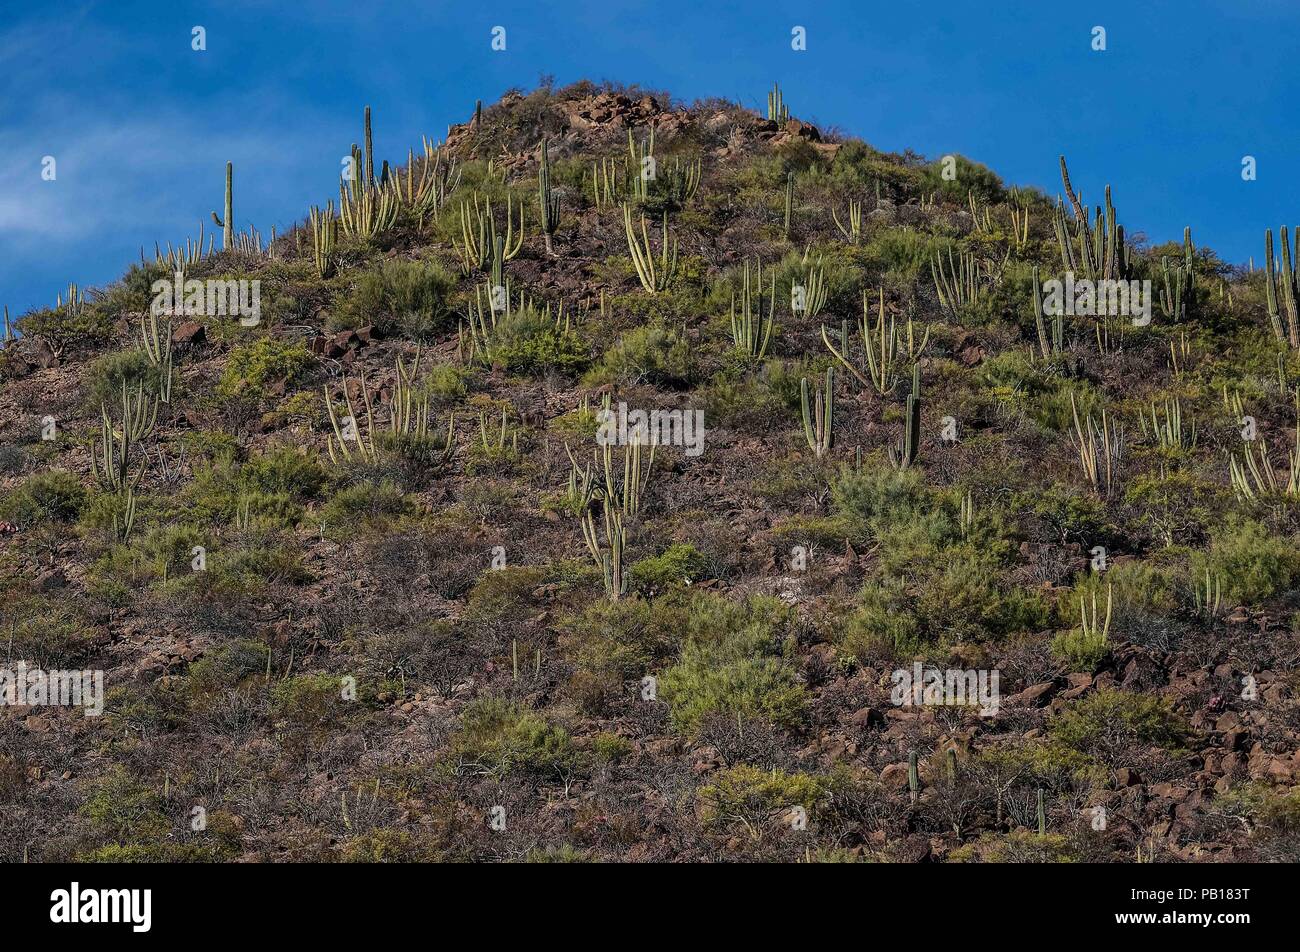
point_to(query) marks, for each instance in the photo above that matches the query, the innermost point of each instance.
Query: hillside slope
(365, 585)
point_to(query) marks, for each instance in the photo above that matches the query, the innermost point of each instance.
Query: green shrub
(252, 368)
(649, 354)
(45, 498)
(1253, 563)
(364, 504)
(400, 297)
(678, 565)
(735, 662)
(753, 795)
(109, 373)
(284, 470)
(501, 738)
(1108, 721)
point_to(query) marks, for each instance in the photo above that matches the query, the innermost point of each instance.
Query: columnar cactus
(324, 235)
(1101, 252)
(904, 455)
(655, 276)
(776, 109)
(750, 328)
(227, 224)
(1177, 282)
(548, 201)
(1056, 343)
(818, 414)
(1282, 293)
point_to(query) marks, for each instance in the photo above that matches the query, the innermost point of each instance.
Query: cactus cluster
(655, 275)
(884, 347)
(818, 414)
(547, 200)
(1282, 286)
(1095, 250)
(751, 329)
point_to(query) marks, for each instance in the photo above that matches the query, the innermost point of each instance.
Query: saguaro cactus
(547, 200)
(227, 224)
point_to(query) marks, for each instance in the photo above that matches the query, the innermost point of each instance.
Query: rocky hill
(366, 581)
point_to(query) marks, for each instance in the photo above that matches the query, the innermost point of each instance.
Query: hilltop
(364, 585)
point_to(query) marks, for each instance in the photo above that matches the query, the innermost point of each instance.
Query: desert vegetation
(366, 587)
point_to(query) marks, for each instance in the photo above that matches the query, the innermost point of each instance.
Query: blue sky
(142, 126)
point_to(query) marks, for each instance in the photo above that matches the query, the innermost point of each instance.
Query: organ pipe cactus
(913, 776)
(1177, 282)
(789, 202)
(776, 108)
(904, 455)
(350, 440)
(853, 233)
(884, 347)
(750, 328)
(1282, 287)
(324, 236)
(655, 275)
(609, 555)
(1055, 344)
(818, 414)
(1094, 251)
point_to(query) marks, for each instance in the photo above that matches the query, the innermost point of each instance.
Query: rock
(1033, 694)
(51, 579)
(866, 717)
(191, 333)
(1127, 777)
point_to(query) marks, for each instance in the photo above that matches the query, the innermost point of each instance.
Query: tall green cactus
(655, 275)
(789, 202)
(547, 200)
(227, 224)
(1177, 282)
(913, 776)
(776, 109)
(904, 455)
(1282, 294)
(1096, 250)
(751, 330)
(1056, 343)
(818, 414)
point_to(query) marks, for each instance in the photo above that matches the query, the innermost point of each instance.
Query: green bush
(649, 354)
(1108, 721)
(252, 368)
(53, 497)
(109, 373)
(735, 661)
(400, 297)
(364, 504)
(753, 795)
(1253, 563)
(678, 565)
(501, 738)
